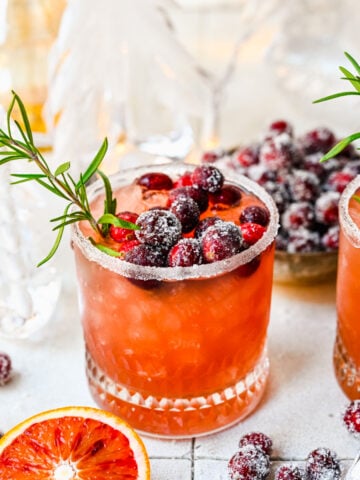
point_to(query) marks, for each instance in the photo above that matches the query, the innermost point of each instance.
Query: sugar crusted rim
(348, 225)
(208, 270)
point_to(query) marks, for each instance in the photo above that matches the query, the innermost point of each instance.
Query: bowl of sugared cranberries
(305, 190)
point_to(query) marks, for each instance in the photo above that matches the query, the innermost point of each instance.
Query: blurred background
(173, 77)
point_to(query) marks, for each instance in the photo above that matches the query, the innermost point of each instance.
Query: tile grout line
(192, 457)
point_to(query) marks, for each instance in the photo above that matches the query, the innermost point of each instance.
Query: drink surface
(183, 340)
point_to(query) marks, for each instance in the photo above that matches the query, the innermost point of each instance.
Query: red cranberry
(327, 208)
(277, 153)
(298, 214)
(311, 163)
(210, 157)
(183, 181)
(158, 228)
(229, 196)
(282, 240)
(248, 156)
(261, 174)
(330, 239)
(155, 181)
(146, 256)
(249, 463)
(280, 126)
(352, 418)
(252, 232)
(5, 368)
(208, 177)
(258, 439)
(352, 167)
(204, 224)
(279, 193)
(222, 240)
(322, 464)
(303, 241)
(126, 246)
(289, 472)
(303, 186)
(197, 194)
(120, 234)
(338, 181)
(187, 211)
(255, 214)
(318, 140)
(185, 253)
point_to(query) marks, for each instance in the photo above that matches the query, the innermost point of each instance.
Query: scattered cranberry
(204, 224)
(298, 214)
(311, 163)
(158, 228)
(196, 194)
(327, 208)
(248, 156)
(229, 196)
(5, 368)
(275, 153)
(258, 439)
(303, 186)
(262, 175)
(282, 240)
(255, 214)
(155, 181)
(222, 240)
(318, 140)
(185, 253)
(352, 418)
(208, 177)
(252, 232)
(289, 472)
(187, 211)
(330, 239)
(280, 126)
(322, 464)
(338, 181)
(183, 181)
(210, 157)
(120, 234)
(303, 241)
(249, 463)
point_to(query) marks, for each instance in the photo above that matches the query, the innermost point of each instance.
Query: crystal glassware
(187, 356)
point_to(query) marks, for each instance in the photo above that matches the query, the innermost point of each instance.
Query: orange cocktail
(177, 351)
(347, 345)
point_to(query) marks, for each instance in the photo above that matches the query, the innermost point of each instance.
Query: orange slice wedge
(73, 443)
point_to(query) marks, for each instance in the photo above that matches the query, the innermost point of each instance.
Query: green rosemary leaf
(9, 143)
(107, 250)
(351, 78)
(110, 202)
(339, 147)
(26, 177)
(21, 131)
(68, 222)
(24, 117)
(68, 215)
(357, 198)
(335, 95)
(8, 117)
(10, 158)
(108, 218)
(353, 61)
(94, 165)
(56, 243)
(64, 167)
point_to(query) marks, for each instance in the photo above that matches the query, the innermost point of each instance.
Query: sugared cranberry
(330, 239)
(210, 157)
(222, 240)
(327, 208)
(258, 439)
(277, 153)
(185, 253)
(158, 228)
(351, 418)
(322, 464)
(183, 181)
(255, 214)
(282, 240)
(352, 167)
(303, 241)
(311, 163)
(155, 181)
(298, 214)
(146, 256)
(249, 463)
(120, 234)
(196, 194)
(303, 186)
(126, 246)
(289, 472)
(247, 156)
(252, 232)
(5, 368)
(261, 174)
(204, 224)
(318, 140)
(279, 193)
(229, 196)
(280, 126)
(187, 211)
(338, 181)
(208, 177)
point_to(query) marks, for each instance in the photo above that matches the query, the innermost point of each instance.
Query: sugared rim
(348, 225)
(131, 270)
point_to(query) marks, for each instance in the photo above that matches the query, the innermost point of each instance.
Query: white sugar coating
(158, 227)
(251, 456)
(282, 139)
(324, 202)
(303, 240)
(323, 464)
(256, 171)
(348, 225)
(177, 273)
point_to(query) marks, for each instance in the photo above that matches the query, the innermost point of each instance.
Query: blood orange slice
(73, 443)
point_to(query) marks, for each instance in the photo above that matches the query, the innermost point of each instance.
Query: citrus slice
(73, 443)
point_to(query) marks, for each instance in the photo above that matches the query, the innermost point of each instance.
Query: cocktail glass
(347, 344)
(177, 351)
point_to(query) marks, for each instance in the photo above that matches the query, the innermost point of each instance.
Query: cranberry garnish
(248, 156)
(303, 186)
(204, 224)
(222, 240)
(258, 439)
(5, 368)
(210, 157)
(155, 181)
(280, 126)
(303, 241)
(208, 177)
(185, 253)
(289, 472)
(298, 214)
(352, 418)
(252, 232)
(277, 153)
(126, 246)
(158, 228)
(197, 194)
(120, 234)
(327, 208)
(322, 464)
(338, 181)
(330, 239)
(318, 140)
(255, 214)
(229, 196)
(187, 211)
(249, 463)
(146, 256)
(183, 181)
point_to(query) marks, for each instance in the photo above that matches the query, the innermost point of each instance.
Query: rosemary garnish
(354, 80)
(60, 182)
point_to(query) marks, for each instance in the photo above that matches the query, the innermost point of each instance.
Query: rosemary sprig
(354, 80)
(60, 182)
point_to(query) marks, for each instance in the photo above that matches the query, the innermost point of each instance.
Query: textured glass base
(347, 372)
(180, 417)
